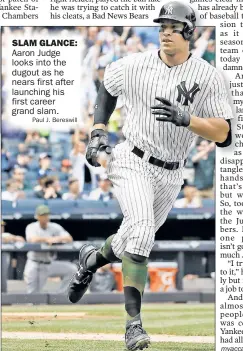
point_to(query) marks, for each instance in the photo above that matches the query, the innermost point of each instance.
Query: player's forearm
(7, 238)
(215, 129)
(104, 106)
(65, 239)
(76, 135)
(37, 240)
(199, 156)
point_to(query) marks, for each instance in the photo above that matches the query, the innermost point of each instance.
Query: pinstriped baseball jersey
(195, 86)
(146, 193)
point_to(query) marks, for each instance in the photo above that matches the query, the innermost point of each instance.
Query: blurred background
(48, 167)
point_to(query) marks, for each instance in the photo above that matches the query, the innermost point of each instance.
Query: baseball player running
(171, 97)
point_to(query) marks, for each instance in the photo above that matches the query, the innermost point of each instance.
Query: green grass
(56, 345)
(107, 309)
(173, 319)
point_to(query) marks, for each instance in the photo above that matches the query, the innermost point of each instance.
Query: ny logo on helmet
(169, 10)
(188, 95)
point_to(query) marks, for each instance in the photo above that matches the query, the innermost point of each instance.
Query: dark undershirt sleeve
(228, 141)
(104, 106)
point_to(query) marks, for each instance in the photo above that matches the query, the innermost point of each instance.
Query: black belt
(43, 262)
(172, 166)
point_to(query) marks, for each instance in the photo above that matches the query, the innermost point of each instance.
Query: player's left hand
(98, 143)
(168, 112)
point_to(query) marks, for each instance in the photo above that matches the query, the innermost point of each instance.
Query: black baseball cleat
(82, 278)
(136, 337)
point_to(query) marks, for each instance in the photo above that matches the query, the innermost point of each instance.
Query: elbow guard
(104, 106)
(228, 140)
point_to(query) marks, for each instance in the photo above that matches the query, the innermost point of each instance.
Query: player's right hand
(97, 143)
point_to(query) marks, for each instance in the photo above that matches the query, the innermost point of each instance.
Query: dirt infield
(104, 337)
